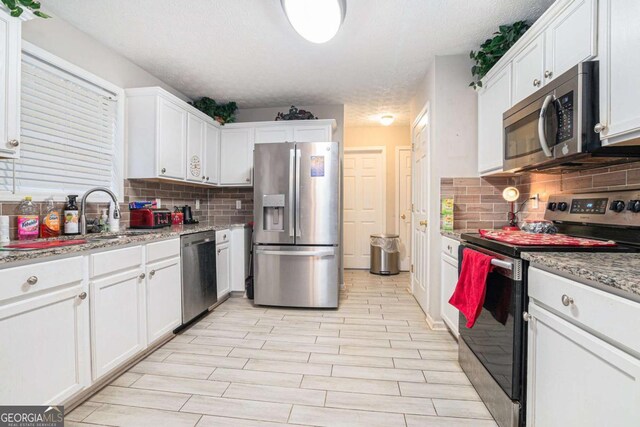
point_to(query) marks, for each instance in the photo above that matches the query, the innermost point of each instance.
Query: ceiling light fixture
(387, 120)
(315, 20)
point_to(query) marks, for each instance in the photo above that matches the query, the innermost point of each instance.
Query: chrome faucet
(83, 206)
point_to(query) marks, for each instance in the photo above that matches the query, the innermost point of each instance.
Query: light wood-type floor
(372, 362)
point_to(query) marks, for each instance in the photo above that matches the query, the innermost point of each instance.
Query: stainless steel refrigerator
(297, 224)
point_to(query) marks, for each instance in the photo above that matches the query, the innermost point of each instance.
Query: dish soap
(28, 220)
(50, 225)
(71, 216)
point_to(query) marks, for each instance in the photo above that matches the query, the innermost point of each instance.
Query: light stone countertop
(608, 270)
(8, 258)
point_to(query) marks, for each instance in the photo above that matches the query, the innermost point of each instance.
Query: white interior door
(420, 213)
(364, 202)
(403, 205)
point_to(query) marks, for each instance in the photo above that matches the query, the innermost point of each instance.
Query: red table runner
(522, 238)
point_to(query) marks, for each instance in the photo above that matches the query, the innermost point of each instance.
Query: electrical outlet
(159, 203)
(197, 204)
(536, 201)
(238, 204)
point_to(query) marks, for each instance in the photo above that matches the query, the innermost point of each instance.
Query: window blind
(68, 133)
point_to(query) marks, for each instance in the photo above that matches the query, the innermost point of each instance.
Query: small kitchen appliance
(187, 215)
(149, 218)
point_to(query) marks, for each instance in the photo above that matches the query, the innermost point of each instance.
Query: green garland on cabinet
(223, 113)
(16, 7)
(493, 49)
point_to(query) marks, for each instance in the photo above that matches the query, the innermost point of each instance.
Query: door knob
(423, 223)
(403, 216)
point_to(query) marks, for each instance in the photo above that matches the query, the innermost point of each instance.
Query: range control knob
(552, 206)
(617, 206)
(562, 206)
(634, 206)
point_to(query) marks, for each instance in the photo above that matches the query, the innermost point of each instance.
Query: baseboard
(436, 325)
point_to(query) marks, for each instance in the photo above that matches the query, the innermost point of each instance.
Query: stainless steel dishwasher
(199, 290)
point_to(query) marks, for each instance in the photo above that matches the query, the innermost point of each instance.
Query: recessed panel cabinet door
(223, 269)
(164, 308)
(575, 378)
(449, 278)
(212, 154)
(45, 348)
(493, 100)
(619, 38)
(236, 154)
(117, 320)
(528, 70)
(172, 140)
(195, 149)
(274, 134)
(10, 35)
(312, 133)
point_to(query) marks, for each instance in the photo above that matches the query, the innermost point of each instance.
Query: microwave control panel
(564, 106)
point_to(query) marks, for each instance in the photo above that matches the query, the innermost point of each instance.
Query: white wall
(453, 150)
(67, 42)
(320, 111)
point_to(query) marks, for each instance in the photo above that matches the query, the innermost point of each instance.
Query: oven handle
(502, 264)
(541, 125)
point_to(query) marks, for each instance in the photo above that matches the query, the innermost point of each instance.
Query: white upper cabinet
(528, 69)
(212, 154)
(267, 134)
(494, 97)
(236, 156)
(619, 64)
(320, 133)
(172, 137)
(10, 37)
(195, 149)
(571, 38)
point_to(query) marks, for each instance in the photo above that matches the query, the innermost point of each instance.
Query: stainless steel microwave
(552, 130)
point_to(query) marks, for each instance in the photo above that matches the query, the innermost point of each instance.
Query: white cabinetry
(619, 38)
(528, 69)
(44, 333)
(164, 311)
(223, 262)
(448, 281)
(212, 154)
(266, 134)
(318, 133)
(236, 156)
(494, 97)
(10, 39)
(196, 135)
(583, 369)
(238, 257)
(172, 138)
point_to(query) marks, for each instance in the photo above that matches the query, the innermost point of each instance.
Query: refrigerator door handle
(292, 185)
(297, 216)
(318, 253)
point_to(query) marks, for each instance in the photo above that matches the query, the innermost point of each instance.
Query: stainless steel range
(493, 352)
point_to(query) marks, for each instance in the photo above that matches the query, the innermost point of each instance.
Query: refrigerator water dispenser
(273, 205)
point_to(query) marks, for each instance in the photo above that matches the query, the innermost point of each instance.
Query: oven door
(498, 337)
(530, 132)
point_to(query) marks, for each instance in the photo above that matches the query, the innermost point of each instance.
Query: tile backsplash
(217, 205)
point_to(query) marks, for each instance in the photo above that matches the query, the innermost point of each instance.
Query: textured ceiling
(245, 50)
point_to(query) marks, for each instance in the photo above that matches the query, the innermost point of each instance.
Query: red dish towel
(470, 291)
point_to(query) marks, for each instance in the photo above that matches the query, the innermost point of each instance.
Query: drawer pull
(567, 300)
(82, 295)
(449, 248)
(32, 280)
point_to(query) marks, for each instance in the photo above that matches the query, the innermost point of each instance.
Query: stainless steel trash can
(385, 254)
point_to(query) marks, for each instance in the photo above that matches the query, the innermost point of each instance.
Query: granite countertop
(128, 237)
(608, 270)
(456, 234)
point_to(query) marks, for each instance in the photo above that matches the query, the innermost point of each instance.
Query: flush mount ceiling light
(315, 20)
(387, 120)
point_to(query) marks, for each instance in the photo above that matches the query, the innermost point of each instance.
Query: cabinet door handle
(207, 178)
(567, 300)
(82, 295)
(14, 142)
(526, 316)
(536, 82)
(219, 250)
(548, 74)
(163, 170)
(32, 280)
(449, 248)
(599, 128)
(152, 273)
(142, 276)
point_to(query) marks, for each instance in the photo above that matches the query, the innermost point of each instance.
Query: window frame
(118, 164)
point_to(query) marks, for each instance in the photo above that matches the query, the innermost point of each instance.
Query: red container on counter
(177, 218)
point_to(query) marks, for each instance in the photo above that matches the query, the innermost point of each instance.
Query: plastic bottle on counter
(4, 229)
(28, 220)
(71, 216)
(114, 223)
(50, 224)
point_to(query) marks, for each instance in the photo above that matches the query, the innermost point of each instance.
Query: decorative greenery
(223, 113)
(295, 114)
(16, 7)
(493, 49)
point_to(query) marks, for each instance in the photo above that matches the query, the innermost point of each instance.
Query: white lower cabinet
(164, 309)
(449, 278)
(223, 262)
(117, 320)
(44, 346)
(582, 366)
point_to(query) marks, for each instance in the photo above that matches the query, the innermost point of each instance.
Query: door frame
(397, 188)
(372, 149)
